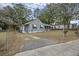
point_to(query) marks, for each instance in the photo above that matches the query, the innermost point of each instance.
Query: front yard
(16, 39)
(57, 35)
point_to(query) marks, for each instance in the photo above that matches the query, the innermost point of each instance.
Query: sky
(75, 22)
(30, 5)
(39, 5)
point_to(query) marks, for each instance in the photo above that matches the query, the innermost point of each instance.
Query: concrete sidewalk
(64, 49)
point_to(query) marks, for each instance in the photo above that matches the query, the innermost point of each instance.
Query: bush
(65, 31)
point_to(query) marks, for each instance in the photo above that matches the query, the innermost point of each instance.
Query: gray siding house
(33, 26)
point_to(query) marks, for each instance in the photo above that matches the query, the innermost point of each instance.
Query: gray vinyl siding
(37, 29)
(29, 27)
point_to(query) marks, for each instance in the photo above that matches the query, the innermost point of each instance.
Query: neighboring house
(61, 26)
(33, 26)
(73, 23)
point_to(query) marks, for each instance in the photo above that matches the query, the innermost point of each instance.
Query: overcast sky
(30, 5)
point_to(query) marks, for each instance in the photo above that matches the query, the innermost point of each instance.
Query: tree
(17, 14)
(61, 13)
(47, 15)
(37, 12)
(13, 17)
(21, 12)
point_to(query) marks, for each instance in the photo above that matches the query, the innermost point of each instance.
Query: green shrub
(65, 31)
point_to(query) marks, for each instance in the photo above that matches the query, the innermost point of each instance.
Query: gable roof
(32, 21)
(38, 21)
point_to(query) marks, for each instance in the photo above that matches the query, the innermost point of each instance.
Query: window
(34, 26)
(41, 26)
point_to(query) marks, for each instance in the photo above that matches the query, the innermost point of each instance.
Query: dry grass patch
(10, 42)
(57, 36)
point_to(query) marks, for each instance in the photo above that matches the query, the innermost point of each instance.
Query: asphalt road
(63, 49)
(35, 43)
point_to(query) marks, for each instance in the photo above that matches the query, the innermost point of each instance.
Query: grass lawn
(57, 36)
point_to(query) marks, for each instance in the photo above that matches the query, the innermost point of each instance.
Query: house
(72, 25)
(60, 26)
(47, 27)
(33, 26)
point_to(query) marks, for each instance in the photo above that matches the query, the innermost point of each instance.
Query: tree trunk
(63, 32)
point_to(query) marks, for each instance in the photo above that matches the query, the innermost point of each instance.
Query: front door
(26, 28)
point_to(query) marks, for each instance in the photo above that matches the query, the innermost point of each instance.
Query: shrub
(65, 31)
